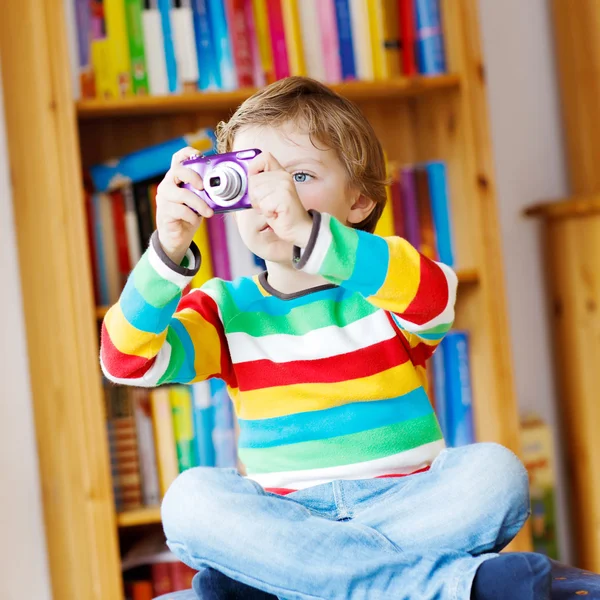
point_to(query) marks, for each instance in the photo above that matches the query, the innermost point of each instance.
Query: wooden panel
(573, 275)
(577, 35)
(61, 338)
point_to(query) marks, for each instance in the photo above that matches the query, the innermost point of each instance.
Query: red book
(277, 29)
(240, 42)
(118, 211)
(408, 36)
(428, 243)
(161, 579)
(139, 590)
(181, 576)
(397, 208)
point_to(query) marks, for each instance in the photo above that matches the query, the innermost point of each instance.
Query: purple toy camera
(225, 178)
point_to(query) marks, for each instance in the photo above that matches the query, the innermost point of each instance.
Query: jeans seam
(519, 523)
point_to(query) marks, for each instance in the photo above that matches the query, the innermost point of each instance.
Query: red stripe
(431, 297)
(119, 364)
(280, 491)
(260, 374)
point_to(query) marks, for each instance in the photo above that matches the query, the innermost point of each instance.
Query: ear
(361, 209)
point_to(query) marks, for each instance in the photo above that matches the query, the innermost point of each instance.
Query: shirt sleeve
(154, 336)
(390, 273)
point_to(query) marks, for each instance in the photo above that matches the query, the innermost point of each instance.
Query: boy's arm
(153, 336)
(389, 272)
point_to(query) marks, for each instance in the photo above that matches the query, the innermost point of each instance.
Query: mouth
(265, 228)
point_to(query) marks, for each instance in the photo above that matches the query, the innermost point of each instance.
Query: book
(106, 85)
(217, 235)
(263, 36)
(258, 74)
(293, 37)
(183, 426)
(310, 27)
(222, 44)
(120, 63)
(224, 437)
(428, 245)
(330, 44)
(181, 576)
(84, 84)
(184, 44)
(377, 39)
(139, 590)
(210, 75)
(397, 208)
(390, 40)
(137, 53)
(164, 437)
(204, 423)
(134, 244)
(154, 46)
(240, 42)
(201, 239)
(161, 579)
(361, 36)
(165, 8)
(439, 390)
(408, 193)
(346, 44)
(440, 206)
(431, 57)
(109, 248)
(281, 61)
(408, 36)
(118, 212)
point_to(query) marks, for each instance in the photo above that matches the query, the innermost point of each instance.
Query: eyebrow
(300, 161)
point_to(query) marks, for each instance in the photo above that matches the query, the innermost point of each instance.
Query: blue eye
(301, 177)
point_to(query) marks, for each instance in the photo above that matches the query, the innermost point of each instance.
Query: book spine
(361, 34)
(398, 210)
(385, 225)
(106, 85)
(330, 45)
(210, 75)
(293, 37)
(311, 39)
(201, 238)
(408, 189)
(86, 86)
(240, 42)
(346, 44)
(103, 293)
(116, 26)
(137, 54)
(377, 38)
(458, 388)
(217, 234)
(440, 204)
(428, 243)
(279, 48)
(258, 74)
(263, 34)
(91, 236)
(144, 214)
(118, 212)
(408, 37)
(439, 390)
(430, 40)
(183, 425)
(161, 579)
(224, 430)
(222, 44)
(154, 44)
(109, 245)
(139, 590)
(146, 446)
(173, 77)
(391, 38)
(164, 438)
(184, 43)
(134, 245)
(181, 576)
(204, 422)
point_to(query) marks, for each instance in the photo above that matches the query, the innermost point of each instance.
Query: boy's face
(319, 175)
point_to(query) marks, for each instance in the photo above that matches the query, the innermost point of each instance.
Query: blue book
(224, 429)
(342, 16)
(439, 390)
(204, 422)
(222, 44)
(104, 296)
(164, 6)
(149, 162)
(431, 56)
(440, 208)
(210, 75)
(459, 396)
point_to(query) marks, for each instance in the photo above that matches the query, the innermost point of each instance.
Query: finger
(193, 202)
(186, 175)
(183, 154)
(265, 161)
(180, 212)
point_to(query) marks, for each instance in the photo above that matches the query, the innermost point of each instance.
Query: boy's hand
(273, 194)
(179, 212)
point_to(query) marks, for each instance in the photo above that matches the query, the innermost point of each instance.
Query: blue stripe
(141, 314)
(371, 264)
(333, 422)
(186, 372)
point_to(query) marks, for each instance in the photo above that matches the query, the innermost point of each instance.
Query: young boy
(350, 492)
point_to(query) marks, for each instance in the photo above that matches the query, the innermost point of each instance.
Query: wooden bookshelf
(148, 515)
(50, 137)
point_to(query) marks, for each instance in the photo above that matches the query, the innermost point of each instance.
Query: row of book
(137, 47)
(153, 435)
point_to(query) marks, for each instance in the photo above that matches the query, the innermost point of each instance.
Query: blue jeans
(420, 537)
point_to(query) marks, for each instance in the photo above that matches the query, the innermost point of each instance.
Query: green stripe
(345, 449)
(176, 359)
(302, 319)
(154, 289)
(341, 256)
(218, 292)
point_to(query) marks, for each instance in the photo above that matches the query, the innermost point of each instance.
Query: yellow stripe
(129, 339)
(207, 345)
(305, 397)
(260, 287)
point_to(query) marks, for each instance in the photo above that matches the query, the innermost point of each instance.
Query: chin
(275, 251)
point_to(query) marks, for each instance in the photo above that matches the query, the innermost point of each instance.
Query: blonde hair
(331, 120)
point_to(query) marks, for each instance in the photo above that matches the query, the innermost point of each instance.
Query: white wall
(530, 166)
(23, 561)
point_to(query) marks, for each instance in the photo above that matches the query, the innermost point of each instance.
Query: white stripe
(319, 343)
(396, 464)
(167, 273)
(149, 378)
(446, 316)
(324, 240)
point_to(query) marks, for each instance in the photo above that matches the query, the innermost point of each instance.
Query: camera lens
(214, 181)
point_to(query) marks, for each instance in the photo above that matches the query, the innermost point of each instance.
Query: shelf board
(206, 101)
(466, 276)
(146, 515)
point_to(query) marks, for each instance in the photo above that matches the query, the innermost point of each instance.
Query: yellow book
(377, 30)
(183, 425)
(164, 438)
(385, 225)
(391, 39)
(293, 37)
(263, 35)
(206, 271)
(118, 43)
(106, 85)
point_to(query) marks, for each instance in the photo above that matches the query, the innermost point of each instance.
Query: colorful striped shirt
(327, 384)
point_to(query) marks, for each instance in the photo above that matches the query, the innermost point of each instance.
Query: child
(350, 492)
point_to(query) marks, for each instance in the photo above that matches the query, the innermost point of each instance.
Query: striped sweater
(328, 383)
